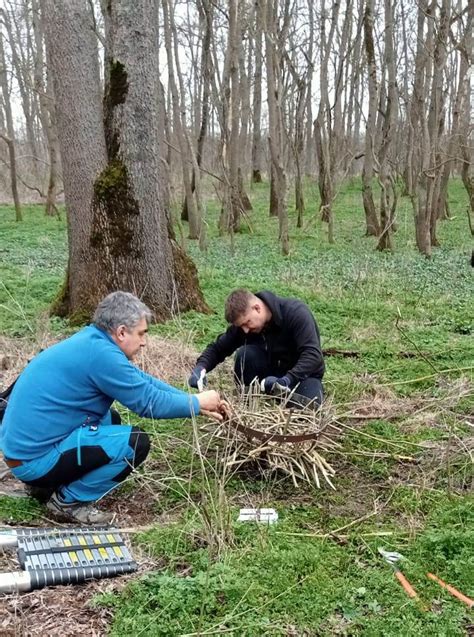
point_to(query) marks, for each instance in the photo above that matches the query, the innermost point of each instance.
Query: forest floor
(404, 472)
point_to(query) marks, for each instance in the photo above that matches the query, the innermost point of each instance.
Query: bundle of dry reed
(277, 437)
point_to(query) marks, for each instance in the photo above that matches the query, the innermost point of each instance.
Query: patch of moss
(118, 83)
(115, 212)
(111, 179)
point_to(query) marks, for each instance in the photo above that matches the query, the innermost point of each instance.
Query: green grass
(406, 318)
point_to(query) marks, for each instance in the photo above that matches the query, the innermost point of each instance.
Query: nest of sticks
(273, 434)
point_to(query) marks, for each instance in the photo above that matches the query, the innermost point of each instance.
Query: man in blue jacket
(277, 342)
(58, 433)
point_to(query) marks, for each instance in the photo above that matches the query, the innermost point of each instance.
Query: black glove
(198, 378)
(272, 383)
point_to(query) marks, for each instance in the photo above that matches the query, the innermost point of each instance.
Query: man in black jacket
(277, 342)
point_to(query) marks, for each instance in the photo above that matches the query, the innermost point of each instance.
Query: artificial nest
(277, 436)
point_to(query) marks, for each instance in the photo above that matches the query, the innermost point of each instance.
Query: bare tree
(275, 119)
(429, 166)
(179, 117)
(16, 18)
(8, 135)
(462, 134)
(47, 111)
(388, 193)
(371, 219)
(206, 13)
(257, 94)
(328, 124)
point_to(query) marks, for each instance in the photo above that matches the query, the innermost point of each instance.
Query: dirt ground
(62, 611)
(69, 610)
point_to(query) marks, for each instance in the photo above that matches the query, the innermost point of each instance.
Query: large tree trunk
(119, 235)
(72, 54)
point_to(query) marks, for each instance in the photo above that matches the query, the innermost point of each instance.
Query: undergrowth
(399, 327)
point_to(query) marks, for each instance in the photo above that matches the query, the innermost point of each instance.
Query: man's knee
(139, 441)
(312, 390)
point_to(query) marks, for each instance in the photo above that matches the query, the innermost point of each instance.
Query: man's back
(54, 395)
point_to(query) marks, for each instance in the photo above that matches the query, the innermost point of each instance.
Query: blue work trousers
(91, 461)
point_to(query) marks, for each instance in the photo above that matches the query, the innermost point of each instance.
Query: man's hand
(198, 378)
(270, 384)
(212, 406)
(209, 400)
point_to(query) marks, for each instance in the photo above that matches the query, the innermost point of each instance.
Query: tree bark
(119, 232)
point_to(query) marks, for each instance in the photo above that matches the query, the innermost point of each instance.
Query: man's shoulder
(84, 344)
(292, 303)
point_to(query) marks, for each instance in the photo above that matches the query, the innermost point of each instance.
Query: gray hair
(120, 308)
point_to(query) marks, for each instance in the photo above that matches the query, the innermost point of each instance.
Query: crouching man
(276, 340)
(59, 435)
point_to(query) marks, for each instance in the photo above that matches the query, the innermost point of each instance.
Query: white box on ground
(264, 516)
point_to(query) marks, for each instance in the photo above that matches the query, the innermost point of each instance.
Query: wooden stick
(454, 591)
(343, 537)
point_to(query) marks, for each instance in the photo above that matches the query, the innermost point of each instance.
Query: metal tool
(392, 557)
(49, 557)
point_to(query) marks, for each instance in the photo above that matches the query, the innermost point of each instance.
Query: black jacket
(291, 340)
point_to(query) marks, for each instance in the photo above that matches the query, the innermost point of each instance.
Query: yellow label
(118, 551)
(73, 556)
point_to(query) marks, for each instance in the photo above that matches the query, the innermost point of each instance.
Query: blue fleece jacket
(74, 383)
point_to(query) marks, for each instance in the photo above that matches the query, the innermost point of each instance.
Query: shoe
(82, 512)
(42, 494)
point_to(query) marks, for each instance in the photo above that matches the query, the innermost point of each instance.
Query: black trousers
(251, 361)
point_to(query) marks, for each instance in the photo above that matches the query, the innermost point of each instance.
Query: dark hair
(120, 308)
(237, 304)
